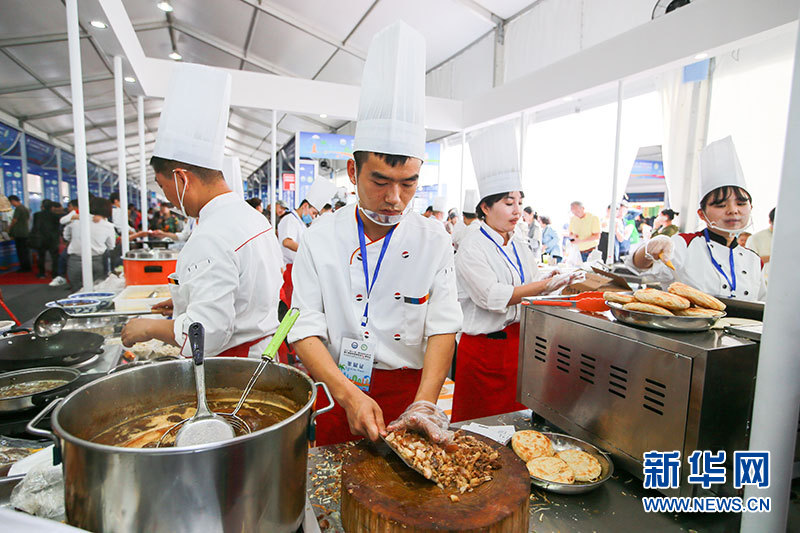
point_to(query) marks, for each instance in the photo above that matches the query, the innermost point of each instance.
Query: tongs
(586, 301)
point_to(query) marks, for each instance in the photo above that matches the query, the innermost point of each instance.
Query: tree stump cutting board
(381, 494)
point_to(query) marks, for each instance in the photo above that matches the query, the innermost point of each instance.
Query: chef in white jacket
(294, 224)
(469, 223)
(495, 269)
(228, 274)
(375, 283)
(711, 260)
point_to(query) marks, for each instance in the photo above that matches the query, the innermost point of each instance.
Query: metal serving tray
(563, 442)
(663, 322)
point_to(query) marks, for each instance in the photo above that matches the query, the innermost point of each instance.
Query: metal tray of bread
(563, 442)
(663, 322)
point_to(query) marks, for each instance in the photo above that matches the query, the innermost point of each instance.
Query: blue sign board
(305, 179)
(8, 138)
(334, 146)
(643, 168)
(12, 177)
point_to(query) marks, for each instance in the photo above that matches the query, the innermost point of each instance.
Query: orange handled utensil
(666, 262)
(595, 305)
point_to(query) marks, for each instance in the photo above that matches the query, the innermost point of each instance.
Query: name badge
(356, 358)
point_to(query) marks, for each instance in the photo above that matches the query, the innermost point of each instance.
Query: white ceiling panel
(283, 45)
(225, 20)
(21, 18)
(50, 61)
(155, 43)
(195, 51)
(30, 102)
(61, 122)
(504, 8)
(142, 10)
(325, 15)
(343, 68)
(94, 93)
(12, 74)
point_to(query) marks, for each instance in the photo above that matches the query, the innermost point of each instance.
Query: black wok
(64, 349)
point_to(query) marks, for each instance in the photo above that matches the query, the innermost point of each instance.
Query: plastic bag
(41, 493)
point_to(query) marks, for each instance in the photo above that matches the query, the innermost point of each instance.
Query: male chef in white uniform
(228, 274)
(460, 230)
(375, 283)
(292, 226)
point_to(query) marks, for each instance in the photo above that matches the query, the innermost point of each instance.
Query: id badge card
(356, 358)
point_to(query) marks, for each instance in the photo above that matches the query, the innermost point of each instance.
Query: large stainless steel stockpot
(254, 482)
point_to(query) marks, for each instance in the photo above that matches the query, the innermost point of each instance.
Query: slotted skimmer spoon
(204, 427)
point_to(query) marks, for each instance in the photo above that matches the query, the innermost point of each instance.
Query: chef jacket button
(746, 293)
(397, 336)
(405, 254)
(724, 286)
(397, 296)
(744, 271)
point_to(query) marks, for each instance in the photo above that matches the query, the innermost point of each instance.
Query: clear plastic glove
(659, 247)
(559, 281)
(427, 418)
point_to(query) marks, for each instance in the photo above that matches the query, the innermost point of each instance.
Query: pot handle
(32, 429)
(312, 425)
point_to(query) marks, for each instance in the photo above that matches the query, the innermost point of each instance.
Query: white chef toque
(471, 200)
(194, 119)
(720, 167)
(232, 171)
(440, 204)
(391, 109)
(496, 160)
(320, 193)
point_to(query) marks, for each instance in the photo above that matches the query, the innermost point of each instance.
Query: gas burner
(86, 362)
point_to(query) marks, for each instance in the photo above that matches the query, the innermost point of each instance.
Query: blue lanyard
(363, 247)
(732, 280)
(519, 263)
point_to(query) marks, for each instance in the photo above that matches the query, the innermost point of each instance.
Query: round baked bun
(698, 311)
(618, 297)
(583, 465)
(529, 444)
(647, 308)
(551, 469)
(673, 302)
(698, 298)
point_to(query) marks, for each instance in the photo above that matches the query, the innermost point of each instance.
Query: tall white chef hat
(440, 204)
(471, 200)
(194, 118)
(232, 171)
(320, 193)
(495, 158)
(391, 109)
(720, 167)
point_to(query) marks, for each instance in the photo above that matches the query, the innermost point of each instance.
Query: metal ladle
(52, 320)
(204, 427)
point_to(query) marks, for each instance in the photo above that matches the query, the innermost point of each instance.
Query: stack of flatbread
(543, 462)
(679, 300)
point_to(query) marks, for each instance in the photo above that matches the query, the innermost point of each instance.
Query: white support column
(522, 128)
(79, 124)
(273, 165)
(777, 398)
(297, 198)
(612, 214)
(60, 174)
(463, 157)
(23, 151)
(122, 170)
(142, 164)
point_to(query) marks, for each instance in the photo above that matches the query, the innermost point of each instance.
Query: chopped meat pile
(463, 465)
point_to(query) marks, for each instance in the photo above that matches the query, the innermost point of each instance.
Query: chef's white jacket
(229, 278)
(694, 268)
(119, 218)
(413, 298)
(321, 217)
(460, 231)
(292, 227)
(486, 279)
(101, 233)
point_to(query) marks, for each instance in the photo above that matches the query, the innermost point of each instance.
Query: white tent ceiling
(312, 39)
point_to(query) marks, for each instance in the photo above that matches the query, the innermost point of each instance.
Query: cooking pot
(254, 482)
(149, 267)
(26, 401)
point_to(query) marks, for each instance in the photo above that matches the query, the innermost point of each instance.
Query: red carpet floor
(23, 278)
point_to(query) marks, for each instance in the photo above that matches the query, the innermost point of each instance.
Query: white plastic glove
(560, 281)
(659, 247)
(426, 418)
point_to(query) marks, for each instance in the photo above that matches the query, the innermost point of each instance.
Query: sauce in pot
(30, 387)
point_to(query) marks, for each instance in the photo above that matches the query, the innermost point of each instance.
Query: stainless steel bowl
(565, 442)
(663, 322)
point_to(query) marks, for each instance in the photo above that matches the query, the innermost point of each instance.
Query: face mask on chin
(379, 218)
(733, 232)
(181, 196)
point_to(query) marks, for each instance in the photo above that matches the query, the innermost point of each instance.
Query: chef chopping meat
(711, 260)
(233, 254)
(375, 282)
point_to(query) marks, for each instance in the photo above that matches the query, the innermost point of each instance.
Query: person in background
(280, 210)
(452, 220)
(645, 230)
(339, 204)
(664, 224)
(118, 217)
(154, 217)
(61, 271)
(327, 211)
(531, 218)
(102, 237)
(742, 238)
(20, 231)
(439, 208)
(428, 212)
(551, 242)
(584, 229)
(167, 221)
(46, 233)
(134, 217)
(255, 203)
(624, 229)
(761, 242)
(468, 215)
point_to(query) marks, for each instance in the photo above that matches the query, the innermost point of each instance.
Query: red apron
(288, 288)
(242, 350)
(393, 390)
(486, 375)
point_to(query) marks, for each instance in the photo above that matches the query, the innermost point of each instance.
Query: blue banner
(306, 177)
(333, 146)
(40, 153)
(8, 138)
(643, 168)
(12, 177)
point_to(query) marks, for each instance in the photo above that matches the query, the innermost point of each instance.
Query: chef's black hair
(772, 216)
(100, 206)
(470, 216)
(166, 166)
(720, 194)
(490, 201)
(392, 160)
(669, 213)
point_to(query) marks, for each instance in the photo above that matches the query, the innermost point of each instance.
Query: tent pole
(142, 164)
(612, 214)
(122, 170)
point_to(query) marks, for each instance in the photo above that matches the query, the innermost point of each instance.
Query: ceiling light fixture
(130, 79)
(99, 24)
(175, 55)
(164, 6)
(323, 115)
(568, 98)
(700, 56)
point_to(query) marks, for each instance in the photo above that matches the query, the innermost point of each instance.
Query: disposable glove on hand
(659, 247)
(559, 281)
(426, 418)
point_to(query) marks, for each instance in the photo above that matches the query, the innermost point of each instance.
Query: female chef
(495, 269)
(711, 260)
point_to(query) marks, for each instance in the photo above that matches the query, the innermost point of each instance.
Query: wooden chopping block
(381, 494)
